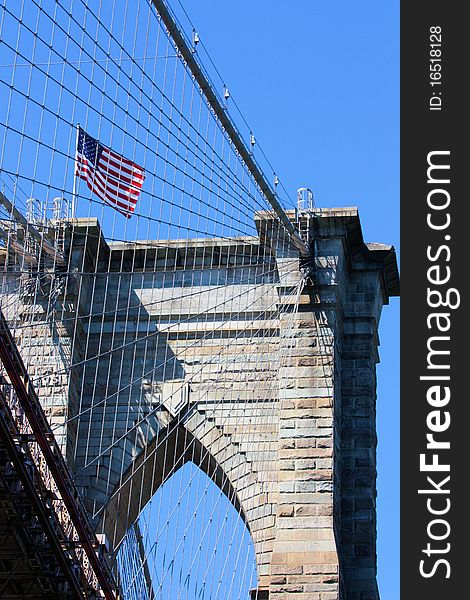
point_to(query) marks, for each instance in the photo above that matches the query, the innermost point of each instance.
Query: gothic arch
(173, 447)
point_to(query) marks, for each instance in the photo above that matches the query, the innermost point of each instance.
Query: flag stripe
(124, 209)
(117, 175)
(96, 186)
(118, 166)
(122, 189)
(107, 185)
(131, 166)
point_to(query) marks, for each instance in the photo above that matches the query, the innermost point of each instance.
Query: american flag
(113, 178)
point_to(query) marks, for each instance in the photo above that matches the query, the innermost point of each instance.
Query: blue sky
(318, 82)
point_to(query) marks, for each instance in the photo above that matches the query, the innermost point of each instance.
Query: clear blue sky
(318, 82)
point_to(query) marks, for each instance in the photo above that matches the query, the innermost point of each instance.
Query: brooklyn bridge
(187, 358)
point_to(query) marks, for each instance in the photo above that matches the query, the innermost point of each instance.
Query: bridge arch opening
(189, 542)
(164, 456)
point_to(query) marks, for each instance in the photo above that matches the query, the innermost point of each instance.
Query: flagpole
(74, 189)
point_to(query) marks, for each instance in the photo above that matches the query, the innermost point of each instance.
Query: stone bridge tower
(281, 418)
